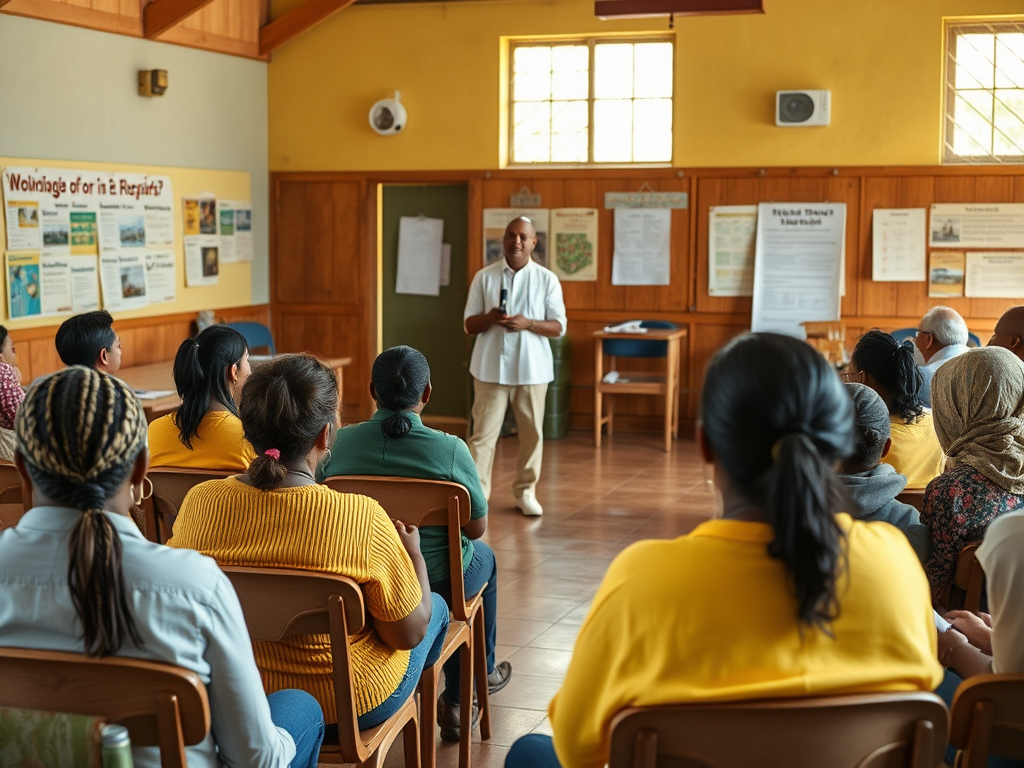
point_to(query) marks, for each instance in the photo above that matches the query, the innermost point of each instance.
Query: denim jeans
(535, 750)
(423, 655)
(300, 715)
(481, 569)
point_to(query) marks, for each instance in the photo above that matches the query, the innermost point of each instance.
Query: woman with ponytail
(785, 596)
(394, 442)
(77, 575)
(205, 432)
(277, 516)
(888, 367)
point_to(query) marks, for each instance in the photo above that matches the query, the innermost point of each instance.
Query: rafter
(296, 21)
(619, 8)
(161, 15)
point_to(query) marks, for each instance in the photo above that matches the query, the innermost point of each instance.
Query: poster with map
(573, 239)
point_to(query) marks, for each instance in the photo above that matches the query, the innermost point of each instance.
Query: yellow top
(219, 444)
(711, 617)
(313, 528)
(915, 451)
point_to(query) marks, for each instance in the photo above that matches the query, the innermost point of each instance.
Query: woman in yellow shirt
(205, 432)
(888, 367)
(277, 516)
(784, 596)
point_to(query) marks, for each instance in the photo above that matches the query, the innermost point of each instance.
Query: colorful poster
(731, 233)
(497, 219)
(573, 237)
(23, 287)
(123, 279)
(243, 231)
(946, 274)
(226, 231)
(202, 260)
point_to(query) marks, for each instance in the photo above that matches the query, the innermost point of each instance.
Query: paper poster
(798, 258)
(731, 233)
(994, 275)
(202, 260)
(419, 255)
(161, 276)
(67, 284)
(23, 286)
(85, 283)
(123, 280)
(643, 246)
(977, 225)
(446, 264)
(573, 237)
(23, 230)
(946, 274)
(243, 231)
(226, 231)
(898, 245)
(495, 221)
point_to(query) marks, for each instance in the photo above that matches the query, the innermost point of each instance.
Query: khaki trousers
(489, 405)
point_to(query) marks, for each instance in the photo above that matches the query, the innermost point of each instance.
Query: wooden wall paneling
(912, 299)
(705, 339)
(875, 298)
(846, 189)
(719, 191)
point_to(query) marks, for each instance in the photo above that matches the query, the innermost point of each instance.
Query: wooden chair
(161, 705)
(988, 719)
(170, 484)
(913, 498)
(279, 603)
(436, 502)
(11, 497)
(829, 338)
(969, 581)
(862, 731)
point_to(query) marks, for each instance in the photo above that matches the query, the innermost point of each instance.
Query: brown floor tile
(527, 692)
(560, 637)
(535, 607)
(540, 662)
(520, 631)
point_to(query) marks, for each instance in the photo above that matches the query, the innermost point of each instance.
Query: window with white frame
(591, 101)
(984, 92)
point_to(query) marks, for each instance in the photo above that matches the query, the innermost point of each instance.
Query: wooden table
(159, 376)
(665, 385)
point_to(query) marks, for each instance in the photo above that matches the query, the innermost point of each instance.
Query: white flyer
(226, 231)
(643, 246)
(123, 280)
(419, 255)
(977, 225)
(202, 260)
(243, 232)
(898, 240)
(998, 275)
(161, 276)
(731, 234)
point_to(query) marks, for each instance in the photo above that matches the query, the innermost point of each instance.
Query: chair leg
(411, 736)
(611, 414)
(480, 662)
(466, 706)
(428, 716)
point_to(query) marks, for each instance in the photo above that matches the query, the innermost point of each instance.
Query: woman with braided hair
(77, 575)
(888, 367)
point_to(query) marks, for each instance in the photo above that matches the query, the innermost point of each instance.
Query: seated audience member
(205, 432)
(941, 336)
(89, 340)
(77, 575)
(395, 442)
(978, 414)
(11, 394)
(1009, 332)
(888, 367)
(277, 516)
(786, 596)
(871, 485)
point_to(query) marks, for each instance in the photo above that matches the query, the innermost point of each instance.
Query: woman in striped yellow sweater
(277, 516)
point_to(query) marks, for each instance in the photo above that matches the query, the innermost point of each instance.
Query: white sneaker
(530, 506)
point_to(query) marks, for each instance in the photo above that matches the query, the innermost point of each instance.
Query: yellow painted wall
(235, 285)
(882, 60)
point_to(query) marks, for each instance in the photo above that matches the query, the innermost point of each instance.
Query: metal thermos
(116, 747)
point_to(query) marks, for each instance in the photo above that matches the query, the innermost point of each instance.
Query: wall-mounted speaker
(795, 109)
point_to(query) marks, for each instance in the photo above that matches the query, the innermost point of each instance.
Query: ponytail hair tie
(777, 445)
(273, 453)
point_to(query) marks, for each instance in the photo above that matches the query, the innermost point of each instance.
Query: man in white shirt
(512, 358)
(941, 336)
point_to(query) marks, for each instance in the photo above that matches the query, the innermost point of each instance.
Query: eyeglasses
(919, 331)
(852, 377)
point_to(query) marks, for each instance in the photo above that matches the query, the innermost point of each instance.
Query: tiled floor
(596, 502)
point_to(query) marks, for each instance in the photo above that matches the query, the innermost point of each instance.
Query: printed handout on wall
(234, 221)
(41, 285)
(997, 275)
(731, 231)
(643, 246)
(123, 277)
(574, 243)
(977, 225)
(497, 219)
(946, 274)
(202, 243)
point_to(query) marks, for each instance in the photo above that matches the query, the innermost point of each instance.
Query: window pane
(1010, 60)
(569, 131)
(974, 61)
(1009, 122)
(571, 73)
(531, 58)
(613, 131)
(531, 132)
(652, 76)
(972, 134)
(613, 71)
(652, 130)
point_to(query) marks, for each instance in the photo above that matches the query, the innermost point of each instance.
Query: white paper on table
(731, 233)
(496, 219)
(243, 231)
(898, 238)
(446, 264)
(161, 276)
(797, 265)
(977, 225)
(997, 275)
(643, 246)
(202, 260)
(123, 281)
(419, 255)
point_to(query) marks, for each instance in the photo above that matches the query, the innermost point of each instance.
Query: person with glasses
(941, 336)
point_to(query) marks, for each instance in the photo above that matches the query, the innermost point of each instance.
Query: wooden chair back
(968, 581)
(862, 731)
(279, 603)
(988, 719)
(913, 498)
(420, 502)
(170, 485)
(161, 705)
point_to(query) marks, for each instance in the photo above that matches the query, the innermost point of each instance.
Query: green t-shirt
(423, 453)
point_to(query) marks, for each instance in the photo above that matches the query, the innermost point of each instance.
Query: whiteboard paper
(898, 245)
(419, 255)
(643, 246)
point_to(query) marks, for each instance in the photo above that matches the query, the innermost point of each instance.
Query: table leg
(598, 375)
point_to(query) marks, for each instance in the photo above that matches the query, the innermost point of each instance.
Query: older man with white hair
(941, 336)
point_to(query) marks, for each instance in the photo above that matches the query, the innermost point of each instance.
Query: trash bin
(556, 408)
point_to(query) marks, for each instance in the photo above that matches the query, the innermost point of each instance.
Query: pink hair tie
(273, 453)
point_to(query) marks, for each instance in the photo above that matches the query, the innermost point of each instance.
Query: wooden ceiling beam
(161, 15)
(620, 8)
(296, 21)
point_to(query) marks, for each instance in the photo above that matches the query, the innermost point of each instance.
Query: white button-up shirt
(504, 356)
(185, 610)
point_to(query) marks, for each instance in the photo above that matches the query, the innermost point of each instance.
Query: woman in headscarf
(979, 420)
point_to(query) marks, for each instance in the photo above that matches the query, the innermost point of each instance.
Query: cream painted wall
(70, 94)
(882, 60)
